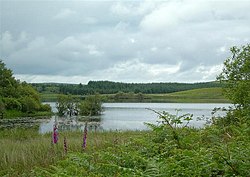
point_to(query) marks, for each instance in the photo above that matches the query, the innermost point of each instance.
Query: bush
(12, 103)
(2, 106)
(29, 104)
(91, 106)
(45, 107)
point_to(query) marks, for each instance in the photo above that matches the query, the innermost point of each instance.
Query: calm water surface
(131, 116)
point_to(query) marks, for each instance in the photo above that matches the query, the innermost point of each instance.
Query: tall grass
(21, 150)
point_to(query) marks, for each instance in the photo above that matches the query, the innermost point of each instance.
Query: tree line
(108, 87)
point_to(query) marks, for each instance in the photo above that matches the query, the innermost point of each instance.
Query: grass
(10, 114)
(24, 149)
(52, 97)
(204, 95)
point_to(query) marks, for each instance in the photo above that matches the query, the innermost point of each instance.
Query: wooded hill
(108, 87)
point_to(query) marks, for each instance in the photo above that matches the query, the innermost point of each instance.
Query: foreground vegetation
(167, 150)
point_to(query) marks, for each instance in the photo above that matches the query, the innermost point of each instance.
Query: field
(205, 95)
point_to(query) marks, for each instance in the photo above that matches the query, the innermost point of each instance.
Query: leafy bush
(67, 105)
(29, 104)
(91, 106)
(45, 107)
(12, 103)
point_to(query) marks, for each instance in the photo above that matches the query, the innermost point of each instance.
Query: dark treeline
(108, 87)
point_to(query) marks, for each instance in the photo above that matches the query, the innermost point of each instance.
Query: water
(131, 116)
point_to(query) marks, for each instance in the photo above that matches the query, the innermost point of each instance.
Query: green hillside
(203, 95)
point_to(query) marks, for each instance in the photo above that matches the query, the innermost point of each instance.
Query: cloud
(133, 8)
(141, 41)
(178, 14)
(65, 13)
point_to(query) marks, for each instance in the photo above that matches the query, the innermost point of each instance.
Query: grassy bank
(205, 95)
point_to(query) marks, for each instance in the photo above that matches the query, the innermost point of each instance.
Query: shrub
(29, 104)
(91, 106)
(45, 107)
(12, 103)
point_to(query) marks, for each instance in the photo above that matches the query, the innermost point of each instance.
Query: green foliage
(206, 152)
(12, 103)
(91, 106)
(127, 97)
(17, 96)
(66, 105)
(236, 76)
(2, 106)
(7, 81)
(212, 151)
(29, 104)
(170, 125)
(45, 107)
(236, 79)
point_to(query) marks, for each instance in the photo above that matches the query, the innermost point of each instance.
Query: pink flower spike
(85, 136)
(55, 134)
(65, 145)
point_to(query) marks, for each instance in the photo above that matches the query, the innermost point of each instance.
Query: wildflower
(65, 145)
(55, 134)
(85, 136)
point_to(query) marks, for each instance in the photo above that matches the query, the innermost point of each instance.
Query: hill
(203, 95)
(108, 87)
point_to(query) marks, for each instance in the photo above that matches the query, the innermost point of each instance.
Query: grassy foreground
(164, 151)
(22, 150)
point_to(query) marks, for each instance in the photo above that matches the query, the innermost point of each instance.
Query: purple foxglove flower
(65, 145)
(85, 136)
(55, 134)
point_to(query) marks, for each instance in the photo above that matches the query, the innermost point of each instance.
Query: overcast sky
(125, 41)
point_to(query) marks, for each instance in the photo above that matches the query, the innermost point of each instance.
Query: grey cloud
(142, 41)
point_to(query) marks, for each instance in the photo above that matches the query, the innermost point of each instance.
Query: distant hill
(203, 95)
(108, 87)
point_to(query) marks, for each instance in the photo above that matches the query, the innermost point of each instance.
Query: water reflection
(130, 116)
(71, 124)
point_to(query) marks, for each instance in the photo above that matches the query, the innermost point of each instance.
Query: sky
(123, 41)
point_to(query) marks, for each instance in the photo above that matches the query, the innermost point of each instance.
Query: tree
(67, 105)
(91, 106)
(2, 106)
(236, 80)
(16, 95)
(236, 76)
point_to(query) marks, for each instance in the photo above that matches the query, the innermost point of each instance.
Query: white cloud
(209, 73)
(64, 13)
(178, 14)
(138, 8)
(92, 50)
(144, 72)
(51, 78)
